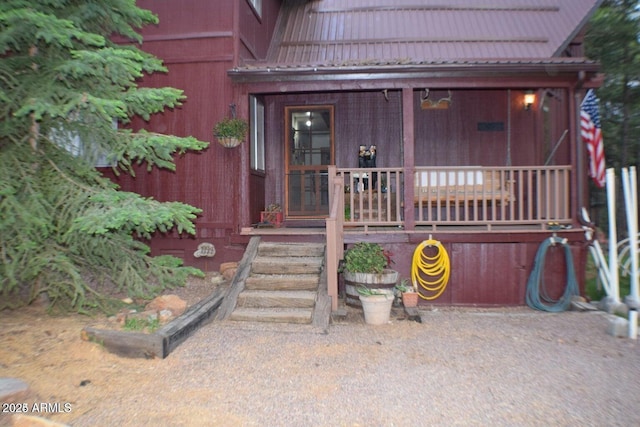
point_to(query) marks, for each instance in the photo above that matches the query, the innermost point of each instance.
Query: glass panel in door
(309, 149)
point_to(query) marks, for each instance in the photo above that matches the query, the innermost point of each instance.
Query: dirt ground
(47, 352)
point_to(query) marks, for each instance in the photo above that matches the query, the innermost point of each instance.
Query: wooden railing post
(335, 238)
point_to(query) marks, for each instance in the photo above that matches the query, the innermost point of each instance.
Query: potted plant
(366, 265)
(376, 304)
(408, 292)
(272, 215)
(231, 131)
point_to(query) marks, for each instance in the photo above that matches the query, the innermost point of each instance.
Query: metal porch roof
(425, 33)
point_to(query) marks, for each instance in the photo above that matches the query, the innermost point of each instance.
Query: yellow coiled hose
(437, 267)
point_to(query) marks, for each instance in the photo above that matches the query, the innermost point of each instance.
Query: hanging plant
(231, 131)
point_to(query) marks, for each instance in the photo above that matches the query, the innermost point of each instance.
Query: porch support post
(334, 234)
(408, 161)
(243, 209)
(577, 152)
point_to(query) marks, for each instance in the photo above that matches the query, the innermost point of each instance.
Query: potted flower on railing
(272, 215)
(230, 132)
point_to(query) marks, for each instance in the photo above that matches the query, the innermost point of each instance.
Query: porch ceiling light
(529, 99)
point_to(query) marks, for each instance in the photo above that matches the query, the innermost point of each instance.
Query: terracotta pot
(410, 299)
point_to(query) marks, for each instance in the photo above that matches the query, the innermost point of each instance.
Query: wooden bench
(461, 186)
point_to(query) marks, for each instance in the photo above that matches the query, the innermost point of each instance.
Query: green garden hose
(537, 296)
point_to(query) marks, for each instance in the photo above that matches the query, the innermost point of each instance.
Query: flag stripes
(591, 132)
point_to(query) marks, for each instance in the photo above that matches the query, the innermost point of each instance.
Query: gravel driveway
(466, 367)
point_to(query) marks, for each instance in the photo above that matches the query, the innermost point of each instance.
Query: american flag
(592, 137)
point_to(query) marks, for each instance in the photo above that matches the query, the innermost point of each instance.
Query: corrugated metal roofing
(376, 32)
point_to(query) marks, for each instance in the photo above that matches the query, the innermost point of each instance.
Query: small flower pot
(410, 299)
(273, 218)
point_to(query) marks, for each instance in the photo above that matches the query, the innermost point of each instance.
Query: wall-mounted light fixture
(529, 99)
(440, 104)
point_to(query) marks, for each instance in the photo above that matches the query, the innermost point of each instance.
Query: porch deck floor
(297, 231)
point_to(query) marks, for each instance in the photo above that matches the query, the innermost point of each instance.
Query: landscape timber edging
(164, 340)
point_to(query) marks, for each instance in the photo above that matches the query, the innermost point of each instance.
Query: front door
(309, 152)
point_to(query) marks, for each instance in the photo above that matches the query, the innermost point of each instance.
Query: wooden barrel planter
(385, 280)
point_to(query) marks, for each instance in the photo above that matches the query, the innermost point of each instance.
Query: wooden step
(282, 282)
(282, 299)
(272, 249)
(275, 315)
(286, 265)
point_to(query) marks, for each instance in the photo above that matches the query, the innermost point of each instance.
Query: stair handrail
(334, 234)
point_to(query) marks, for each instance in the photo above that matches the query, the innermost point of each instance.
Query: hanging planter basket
(230, 132)
(229, 142)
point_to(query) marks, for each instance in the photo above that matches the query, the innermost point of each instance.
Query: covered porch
(462, 152)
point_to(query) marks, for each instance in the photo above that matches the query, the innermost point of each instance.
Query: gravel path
(466, 367)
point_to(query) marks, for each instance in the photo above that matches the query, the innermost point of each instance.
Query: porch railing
(462, 196)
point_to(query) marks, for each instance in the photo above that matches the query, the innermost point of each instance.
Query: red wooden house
(472, 108)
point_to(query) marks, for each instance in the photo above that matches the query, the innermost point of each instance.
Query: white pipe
(601, 266)
(613, 253)
(631, 205)
(598, 256)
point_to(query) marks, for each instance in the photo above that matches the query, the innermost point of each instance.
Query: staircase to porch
(280, 283)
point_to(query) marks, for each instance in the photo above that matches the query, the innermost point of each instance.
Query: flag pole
(580, 170)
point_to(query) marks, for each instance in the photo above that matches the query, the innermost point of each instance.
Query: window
(71, 141)
(257, 134)
(257, 6)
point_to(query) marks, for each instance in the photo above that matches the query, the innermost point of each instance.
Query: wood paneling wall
(481, 127)
(488, 273)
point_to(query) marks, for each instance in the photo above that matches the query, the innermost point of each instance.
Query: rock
(165, 315)
(13, 390)
(119, 318)
(618, 327)
(229, 273)
(174, 303)
(228, 269)
(228, 265)
(145, 315)
(127, 300)
(216, 278)
(632, 303)
(607, 304)
(621, 309)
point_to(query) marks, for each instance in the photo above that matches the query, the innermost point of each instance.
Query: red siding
(485, 272)
(197, 43)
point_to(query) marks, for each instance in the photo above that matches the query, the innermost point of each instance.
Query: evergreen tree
(65, 230)
(614, 40)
